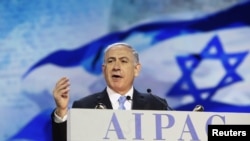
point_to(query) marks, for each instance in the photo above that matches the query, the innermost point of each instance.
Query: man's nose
(116, 66)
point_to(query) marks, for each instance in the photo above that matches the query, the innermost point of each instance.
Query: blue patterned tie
(122, 100)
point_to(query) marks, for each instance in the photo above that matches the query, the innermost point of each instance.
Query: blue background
(192, 52)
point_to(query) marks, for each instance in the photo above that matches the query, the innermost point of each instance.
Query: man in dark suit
(120, 67)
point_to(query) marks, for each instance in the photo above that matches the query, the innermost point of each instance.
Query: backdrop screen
(192, 52)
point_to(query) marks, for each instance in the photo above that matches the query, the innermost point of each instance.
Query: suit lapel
(104, 99)
(138, 101)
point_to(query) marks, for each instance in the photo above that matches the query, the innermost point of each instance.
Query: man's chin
(117, 88)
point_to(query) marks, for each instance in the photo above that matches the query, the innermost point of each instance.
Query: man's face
(120, 68)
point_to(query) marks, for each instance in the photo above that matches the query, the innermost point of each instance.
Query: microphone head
(198, 108)
(149, 90)
(100, 106)
(128, 97)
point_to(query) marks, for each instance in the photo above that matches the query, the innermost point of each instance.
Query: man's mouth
(116, 76)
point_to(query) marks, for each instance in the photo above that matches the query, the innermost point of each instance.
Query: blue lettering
(138, 135)
(190, 130)
(117, 128)
(210, 120)
(158, 124)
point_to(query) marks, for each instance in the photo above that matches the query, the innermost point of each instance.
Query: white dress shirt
(113, 96)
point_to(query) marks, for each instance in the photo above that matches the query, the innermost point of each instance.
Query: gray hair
(135, 53)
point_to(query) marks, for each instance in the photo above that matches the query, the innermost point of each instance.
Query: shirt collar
(114, 96)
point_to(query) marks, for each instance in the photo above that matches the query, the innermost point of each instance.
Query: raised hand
(61, 96)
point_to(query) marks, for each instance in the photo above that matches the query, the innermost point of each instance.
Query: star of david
(188, 64)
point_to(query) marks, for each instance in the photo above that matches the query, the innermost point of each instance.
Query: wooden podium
(146, 125)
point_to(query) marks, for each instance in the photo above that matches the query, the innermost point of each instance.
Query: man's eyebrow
(124, 57)
(111, 57)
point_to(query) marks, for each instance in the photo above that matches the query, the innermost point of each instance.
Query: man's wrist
(61, 113)
(59, 119)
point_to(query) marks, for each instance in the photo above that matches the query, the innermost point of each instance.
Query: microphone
(128, 98)
(100, 106)
(160, 100)
(149, 91)
(198, 108)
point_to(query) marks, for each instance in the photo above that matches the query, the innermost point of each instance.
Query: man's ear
(137, 69)
(103, 68)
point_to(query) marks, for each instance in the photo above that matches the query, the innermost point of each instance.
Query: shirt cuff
(58, 119)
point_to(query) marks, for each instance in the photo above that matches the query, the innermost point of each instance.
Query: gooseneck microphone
(164, 102)
(198, 108)
(100, 105)
(129, 98)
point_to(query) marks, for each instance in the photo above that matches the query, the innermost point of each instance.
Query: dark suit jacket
(140, 101)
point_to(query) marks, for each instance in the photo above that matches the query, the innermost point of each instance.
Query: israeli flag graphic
(200, 61)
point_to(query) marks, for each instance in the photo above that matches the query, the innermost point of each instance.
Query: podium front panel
(146, 125)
